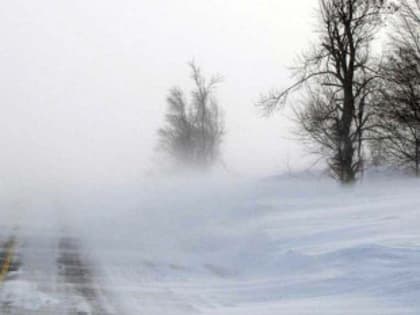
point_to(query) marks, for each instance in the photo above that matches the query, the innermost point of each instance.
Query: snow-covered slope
(284, 245)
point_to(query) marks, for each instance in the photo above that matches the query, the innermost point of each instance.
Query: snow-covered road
(278, 246)
(51, 275)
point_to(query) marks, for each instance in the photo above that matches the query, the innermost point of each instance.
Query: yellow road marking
(7, 260)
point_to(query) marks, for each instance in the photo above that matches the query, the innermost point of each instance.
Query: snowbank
(295, 245)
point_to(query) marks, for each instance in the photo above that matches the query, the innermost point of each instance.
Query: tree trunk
(417, 153)
(346, 144)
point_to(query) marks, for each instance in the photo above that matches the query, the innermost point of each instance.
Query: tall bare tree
(194, 131)
(398, 102)
(339, 76)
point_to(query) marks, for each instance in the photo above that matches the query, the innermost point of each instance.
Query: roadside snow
(24, 295)
(283, 245)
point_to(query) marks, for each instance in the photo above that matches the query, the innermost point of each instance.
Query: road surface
(49, 273)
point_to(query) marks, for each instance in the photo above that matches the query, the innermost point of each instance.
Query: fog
(83, 83)
(91, 221)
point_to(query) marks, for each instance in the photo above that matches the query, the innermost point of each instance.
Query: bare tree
(193, 132)
(176, 138)
(206, 117)
(339, 75)
(398, 102)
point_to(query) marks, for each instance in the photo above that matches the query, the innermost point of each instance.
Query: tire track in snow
(79, 277)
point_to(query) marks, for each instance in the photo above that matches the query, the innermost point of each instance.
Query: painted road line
(7, 260)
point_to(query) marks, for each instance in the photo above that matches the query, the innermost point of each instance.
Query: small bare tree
(193, 132)
(206, 117)
(339, 75)
(176, 138)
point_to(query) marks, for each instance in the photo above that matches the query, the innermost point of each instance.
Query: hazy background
(83, 83)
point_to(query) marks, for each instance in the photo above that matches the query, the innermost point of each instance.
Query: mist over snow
(219, 245)
(83, 88)
(84, 83)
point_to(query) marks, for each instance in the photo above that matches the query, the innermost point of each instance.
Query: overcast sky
(84, 82)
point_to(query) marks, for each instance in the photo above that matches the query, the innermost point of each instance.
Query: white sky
(83, 82)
